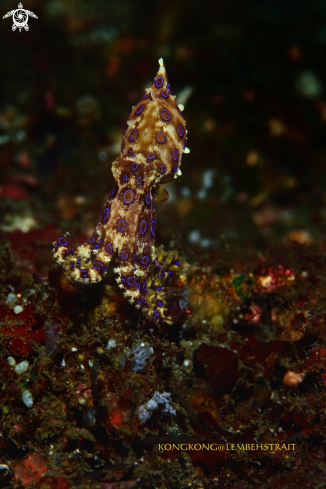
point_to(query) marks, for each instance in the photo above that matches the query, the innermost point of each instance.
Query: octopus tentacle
(151, 151)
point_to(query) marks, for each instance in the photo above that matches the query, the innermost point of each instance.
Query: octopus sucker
(151, 151)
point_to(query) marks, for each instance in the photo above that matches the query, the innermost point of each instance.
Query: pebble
(27, 398)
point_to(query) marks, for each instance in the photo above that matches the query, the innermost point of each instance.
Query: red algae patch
(31, 468)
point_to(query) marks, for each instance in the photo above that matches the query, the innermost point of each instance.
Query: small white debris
(11, 361)
(81, 401)
(11, 299)
(4, 467)
(90, 363)
(63, 363)
(21, 367)
(27, 398)
(145, 410)
(82, 367)
(18, 309)
(181, 107)
(73, 349)
(187, 150)
(111, 344)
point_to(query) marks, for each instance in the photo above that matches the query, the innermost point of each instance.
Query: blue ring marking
(132, 138)
(134, 166)
(109, 248)
(168, 88)
(126, 201)
(151, 156)
(91, 240)
(78, 260)
(159, 82)
(163, 169)
(124, 252)
(72, 265)
(106, 213)
(144, 287)
(62, 241)
(148, 199)
(145, 260)
(159, 303)
(135, 257)
(181, 131)
(139, 180)
(125, 178)
(86, 261)
(153, 227)
(142, 224)
(131, 284)
(147, 95)
(140, 109)
(103, 270)
(68, 252)
(175, 169)
(144, 301)
(160, 132)
(130, 151)
(175, 155)
(98, 265)
(138, 302)
(165, 117)
(156, 314)
(124, 225)
(138, 286)
(158, 288)
(123, 280)
(112, 192)
(164, 94)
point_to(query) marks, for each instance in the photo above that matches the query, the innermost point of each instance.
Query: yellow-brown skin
(151, 152)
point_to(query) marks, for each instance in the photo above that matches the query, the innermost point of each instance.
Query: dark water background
(256, 114)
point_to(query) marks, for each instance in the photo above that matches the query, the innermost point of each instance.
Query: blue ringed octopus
(151, 151)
